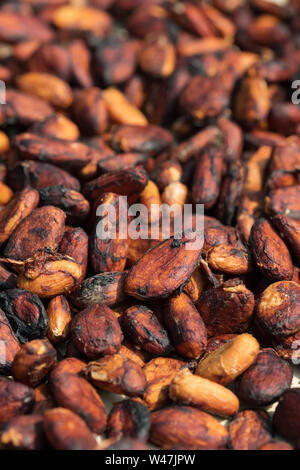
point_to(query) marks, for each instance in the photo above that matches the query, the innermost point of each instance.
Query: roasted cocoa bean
(265, 380)
(104, 338)
(129, 418)
(116, 373)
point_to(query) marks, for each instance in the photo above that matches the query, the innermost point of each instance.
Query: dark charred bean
(265, 380)
(143, 328)
(129, 418)
(39, 175)
(75, 206)
(105, 288)
(286, 417)
(25, 313)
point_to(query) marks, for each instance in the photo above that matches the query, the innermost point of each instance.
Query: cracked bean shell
(33, 362)
(249, 430)
(118, 374)
(104, 288)
(159, 374)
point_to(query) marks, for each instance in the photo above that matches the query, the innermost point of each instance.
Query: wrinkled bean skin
(31, 236)
(279, 300)
(173, 252)
(249, 430)
(142, 327)
(265, 380)
(226, 309)
(185, 325)
(159, 375)
(207, 178)
(25, 312)
(149, 225)
(269, 251)
(116, 373)
(104, 338)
